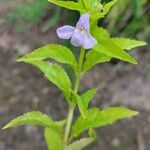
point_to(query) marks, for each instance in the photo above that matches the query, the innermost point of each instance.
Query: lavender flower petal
(77, 38)
(83, 22)
(89, 41)
(65, 32)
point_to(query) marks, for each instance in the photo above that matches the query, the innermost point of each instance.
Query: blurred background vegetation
(128, 18)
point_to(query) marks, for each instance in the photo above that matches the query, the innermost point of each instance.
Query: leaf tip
(5, 127)
(19, 60)
(135, 113)
(134, 61)
(143, 43)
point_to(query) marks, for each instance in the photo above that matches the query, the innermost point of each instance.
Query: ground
(23, 88)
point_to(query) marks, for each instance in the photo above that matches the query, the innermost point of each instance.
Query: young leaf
(33, 118)
(80, 144)
(127, 44)
(68, 4)
(60, 53)
(108, 6)
(96, 118)
(92, 133)
(89, 5)
(53, 139)
(88, 96)
(56, 75)
(60, 123)
(107, 46)
(84, 100)
(93, 57)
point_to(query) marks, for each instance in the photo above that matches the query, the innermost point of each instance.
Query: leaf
(68, 4)
(80, 144)
(96, 118)
(61, 123)
(84, 100)
(56, 75)
(92, 133)
(53, 139)
(107, 46)
(33, 118)
(127, 44)
(108, 6)
(93, 57)
(60, 53)
(89, 5)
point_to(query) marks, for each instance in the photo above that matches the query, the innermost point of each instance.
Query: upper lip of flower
(80, 35)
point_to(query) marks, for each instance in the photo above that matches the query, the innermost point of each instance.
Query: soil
(23, 88)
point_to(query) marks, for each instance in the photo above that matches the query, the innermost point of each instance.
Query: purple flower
(79, 35)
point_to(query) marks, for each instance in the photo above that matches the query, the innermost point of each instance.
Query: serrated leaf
(93, 57)
(127, 44)
(56, 75)
(33, 118)
(107, 46)
(53, 139)
(80, 144)
(68, 4)
(96, 118)
(89, 5)
(60, 53)
(84, 100)
(108, 6)
(88, 96)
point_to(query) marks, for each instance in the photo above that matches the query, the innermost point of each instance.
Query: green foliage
(58, 52)
(94, 7)
(93, 57)
(84, 100)
(107, 46)
(53, 139)
(89, 119)
(80, 144)
(108, 6)
(56, 75)
(90, 6)
(96, 118)
(67, 4)
(33, 118)
(92, 133)
(127, 44)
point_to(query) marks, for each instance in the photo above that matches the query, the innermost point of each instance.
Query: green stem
(85, 4)
(72, 107)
